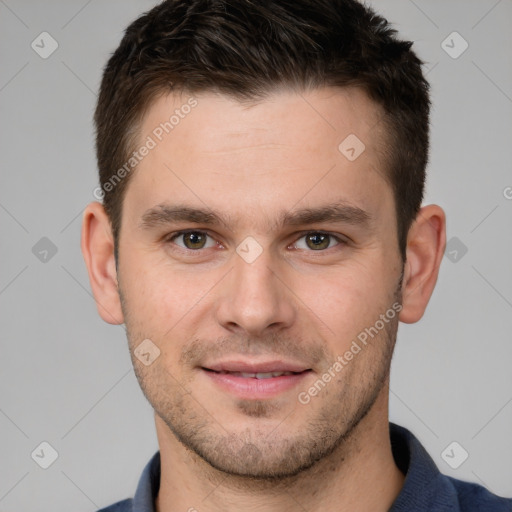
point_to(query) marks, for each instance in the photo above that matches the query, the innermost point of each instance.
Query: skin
(293, 302)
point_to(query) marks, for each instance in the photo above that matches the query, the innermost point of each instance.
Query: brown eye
(192, 240)
(317, 241)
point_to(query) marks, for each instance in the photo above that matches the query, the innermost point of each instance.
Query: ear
(98, 252)
(426, 242)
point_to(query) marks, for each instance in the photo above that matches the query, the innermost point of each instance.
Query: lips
(258, 375)
(256, 380)
(250, 367)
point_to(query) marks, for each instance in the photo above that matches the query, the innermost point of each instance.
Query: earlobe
(426, 243)
(98, 251)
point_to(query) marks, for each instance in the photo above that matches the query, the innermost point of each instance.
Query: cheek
(346, 300)
(165, 298)
(152, 297)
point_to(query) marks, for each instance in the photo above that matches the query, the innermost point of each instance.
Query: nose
(254, 298)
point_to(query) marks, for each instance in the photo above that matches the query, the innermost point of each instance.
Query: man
(261, 236)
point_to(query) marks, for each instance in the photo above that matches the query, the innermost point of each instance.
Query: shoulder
(426, 489)
(475, 498)
(121, 506)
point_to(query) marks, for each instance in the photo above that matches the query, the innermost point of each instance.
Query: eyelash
(171, 237)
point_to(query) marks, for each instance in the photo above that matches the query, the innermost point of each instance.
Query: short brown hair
(245, 49)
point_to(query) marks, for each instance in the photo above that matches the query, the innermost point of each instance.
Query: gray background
(66, 377)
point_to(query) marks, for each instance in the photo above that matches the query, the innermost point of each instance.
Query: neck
(359, 475)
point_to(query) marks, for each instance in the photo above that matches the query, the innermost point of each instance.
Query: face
(254, 254)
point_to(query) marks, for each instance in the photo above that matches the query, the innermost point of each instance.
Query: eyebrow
(163, 214)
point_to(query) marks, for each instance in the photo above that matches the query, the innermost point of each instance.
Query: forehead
(282, 116)
(322, 145)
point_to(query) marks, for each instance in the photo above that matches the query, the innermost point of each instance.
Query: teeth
(261, 375)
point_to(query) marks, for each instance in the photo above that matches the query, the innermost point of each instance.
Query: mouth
(255, 381)
(258, 375)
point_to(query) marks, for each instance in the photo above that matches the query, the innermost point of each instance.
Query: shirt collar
(425, 487)
(149, 484)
